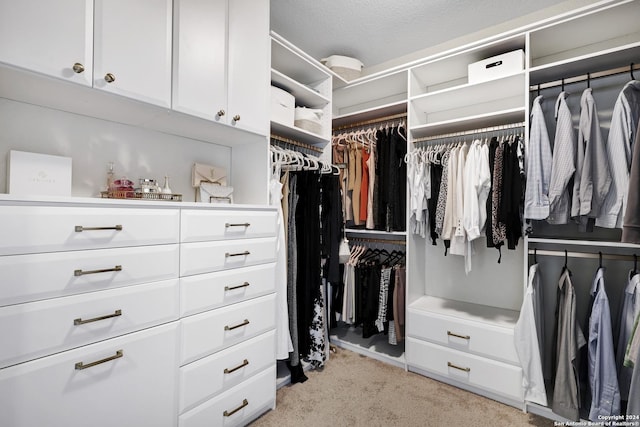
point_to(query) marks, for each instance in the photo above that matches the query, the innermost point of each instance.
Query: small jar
(148, 185)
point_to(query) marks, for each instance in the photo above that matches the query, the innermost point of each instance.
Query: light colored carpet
(353, 390)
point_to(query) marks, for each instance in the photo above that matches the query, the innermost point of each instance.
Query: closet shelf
(298, 134)
(370, 113)
(463, 310)
(376, 347)
(496, 118)
(564, 242)
(356, 231)
(304, 95)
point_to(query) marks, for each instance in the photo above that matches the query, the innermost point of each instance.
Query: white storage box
(344, 66)
(282, 106)
(497, 66)
(309, 119)
(38, 174)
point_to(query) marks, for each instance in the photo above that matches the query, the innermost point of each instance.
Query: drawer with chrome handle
(40, 328)
(207, 291)
(72, 386)
(27, 278)
(29, 229)
(207, 257)
(225, 327)
(199, 225)
(237, 406)
(211, 375)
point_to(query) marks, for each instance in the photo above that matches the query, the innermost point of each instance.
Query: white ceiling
(377, 31)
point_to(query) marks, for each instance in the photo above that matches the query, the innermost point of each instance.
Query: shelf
(564, 242)
(298, 134)
(376, 347)
(370, 114)
(370, 94)
(304, 95)
(291, 62)
(375, 232)
(463, 310)
(480, 121)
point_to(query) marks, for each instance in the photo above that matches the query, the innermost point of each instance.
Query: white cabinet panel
(40, 328)
(500, 378)
(237, 406)
(202, 225)
(49, 37)
(207, 291)
(199, 57)
(206, 333)
(207, 377)
(29, 229)
(132, 43)
(135, 387)
(38, 276)
(205, 257)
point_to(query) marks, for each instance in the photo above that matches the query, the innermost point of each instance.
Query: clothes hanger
(600, 258)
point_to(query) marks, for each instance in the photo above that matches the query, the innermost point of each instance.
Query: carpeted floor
(354, 390)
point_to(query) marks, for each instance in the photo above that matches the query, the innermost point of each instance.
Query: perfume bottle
(166, 189)
(110, 179)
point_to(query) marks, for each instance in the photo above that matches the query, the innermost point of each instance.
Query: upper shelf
(388, 89)
(297, 134)
(304, 95)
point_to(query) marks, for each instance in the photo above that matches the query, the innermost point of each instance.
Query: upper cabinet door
(200, 57)
(249, 65)
(132, 49)
(50, 37)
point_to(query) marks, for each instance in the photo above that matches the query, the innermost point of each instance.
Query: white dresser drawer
(199, 225)
(207, 291)
(40, 328)
(136, 389)
(38, 276)
(495, 342)
(497, 377)
(206, 257)
(237, 406)
(205, 333)
(33, 229)
(207, 377)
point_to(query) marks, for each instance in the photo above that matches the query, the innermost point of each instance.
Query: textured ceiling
(376, 31)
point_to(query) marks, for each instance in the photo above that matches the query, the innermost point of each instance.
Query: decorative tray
(140, 195)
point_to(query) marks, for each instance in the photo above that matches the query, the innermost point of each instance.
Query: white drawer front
(136, 389)
(206, 333)
(38, 276)
(206, 257)
(493, 341)
(48, 229)
(40, 328)
(199, 225)
(497, 377)
(237, 406)
(207, 291)
(205, 378)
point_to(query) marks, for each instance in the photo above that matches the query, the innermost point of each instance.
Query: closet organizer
(463, 320)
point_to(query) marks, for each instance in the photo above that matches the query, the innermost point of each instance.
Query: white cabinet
(132, 49)
(221, 55)
(53, 38)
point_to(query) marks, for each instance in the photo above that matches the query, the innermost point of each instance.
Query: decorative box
(38, 174)
(282, 106)
(497, 66)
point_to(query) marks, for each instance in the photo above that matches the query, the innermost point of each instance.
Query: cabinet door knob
(78, 68)
(236, 118)
(221, 113)
(110, 78)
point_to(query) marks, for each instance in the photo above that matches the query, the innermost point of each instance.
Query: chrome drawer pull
(231, 288)
(106, 270)
(451, 365)
(240, 325)
(243, 224)
(240, 366)
(80, 229)
(245, 402)
(118, 355)
(464, 337)
(79, 321)
(245, 253)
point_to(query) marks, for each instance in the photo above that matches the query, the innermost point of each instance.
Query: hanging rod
(371, 122)
(296, 143)
(585, 77)
(471, 132)
(372, 240)
(589, 255)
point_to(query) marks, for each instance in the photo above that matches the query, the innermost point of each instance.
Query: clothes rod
(589, 255)
(471, 132)
(585, 77)
(281, 139)
(372, 240)
(371, 122)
